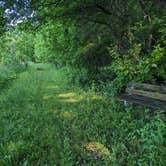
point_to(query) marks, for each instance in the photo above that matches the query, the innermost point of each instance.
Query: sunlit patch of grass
(69, 100)
(67, 95)
(67, 114)
(70, 97)
(96, 97)
(52, 87)
(96, 149)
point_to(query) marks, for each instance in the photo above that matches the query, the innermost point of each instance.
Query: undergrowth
(45, 120)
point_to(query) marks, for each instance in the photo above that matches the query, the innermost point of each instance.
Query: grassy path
(44, 120)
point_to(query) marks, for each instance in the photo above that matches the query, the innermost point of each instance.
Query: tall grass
(45, 120)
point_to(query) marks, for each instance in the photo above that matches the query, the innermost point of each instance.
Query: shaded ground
(45, 120)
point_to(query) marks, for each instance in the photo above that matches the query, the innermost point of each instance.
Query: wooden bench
(152, 96)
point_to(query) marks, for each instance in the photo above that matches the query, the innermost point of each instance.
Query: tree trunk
(149, 22)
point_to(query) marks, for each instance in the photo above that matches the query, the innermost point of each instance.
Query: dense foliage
(64, 112)
(92, 35)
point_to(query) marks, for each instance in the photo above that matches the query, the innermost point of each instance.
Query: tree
(2, 22)
(16, 47)
(89, 27)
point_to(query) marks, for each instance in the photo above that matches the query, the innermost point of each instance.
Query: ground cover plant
(63, 66)
(44, 121)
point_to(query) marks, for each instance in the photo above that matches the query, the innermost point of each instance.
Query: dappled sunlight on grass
(69, 100)
(70, 97)
(43, 116)
(63, 98)
(67, 95)
(96, 149)
(95, 97)
(67, 114)
(63, 114)
(52, 87)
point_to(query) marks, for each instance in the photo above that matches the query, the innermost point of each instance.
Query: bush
(6, 76)
(16, 47)
(134, 67)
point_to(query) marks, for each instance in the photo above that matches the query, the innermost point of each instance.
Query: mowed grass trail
(45, 120)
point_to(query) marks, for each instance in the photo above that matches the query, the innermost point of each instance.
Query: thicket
(111, 41)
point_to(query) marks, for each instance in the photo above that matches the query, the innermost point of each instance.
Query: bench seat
(147, 95)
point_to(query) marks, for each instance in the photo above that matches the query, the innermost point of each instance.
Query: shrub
(6, 76)
(134, 67)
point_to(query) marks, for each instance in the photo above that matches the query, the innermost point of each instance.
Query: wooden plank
(148, 87)
(154, 95)
(143, 101)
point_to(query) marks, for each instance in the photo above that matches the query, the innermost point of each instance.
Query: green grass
(45, 120)
(6, 76)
